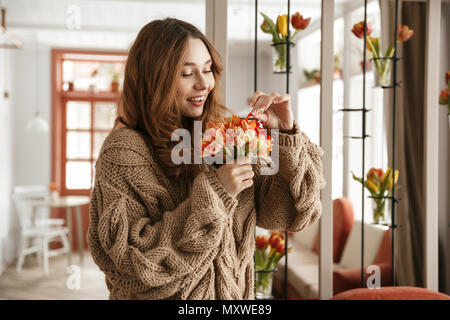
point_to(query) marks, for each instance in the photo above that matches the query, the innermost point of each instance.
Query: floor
(61, 284)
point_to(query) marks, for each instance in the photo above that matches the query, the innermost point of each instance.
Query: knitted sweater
(155, 241)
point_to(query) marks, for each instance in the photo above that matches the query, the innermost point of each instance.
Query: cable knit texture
(154, 240)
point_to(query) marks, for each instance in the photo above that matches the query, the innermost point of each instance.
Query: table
(68, 202)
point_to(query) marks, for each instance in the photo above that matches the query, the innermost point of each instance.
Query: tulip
(261, 242)
(443, 98)
(265, 27)
(281, 247)
(447, 78)
(371, 186)
(374, 174)
(404, 33)
(282, 23)
(358, 29)
(395, 180)
(298, 22)
(373, 44)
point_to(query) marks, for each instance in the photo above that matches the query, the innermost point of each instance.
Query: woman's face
(196, 79)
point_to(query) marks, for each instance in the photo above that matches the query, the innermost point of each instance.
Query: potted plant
(379, 184)
(382, 63)
(115, 82)
(279, 36)
(268, 252)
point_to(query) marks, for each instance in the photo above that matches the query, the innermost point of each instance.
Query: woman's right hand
(236, 176)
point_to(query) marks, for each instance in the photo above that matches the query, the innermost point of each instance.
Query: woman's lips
(197, 101)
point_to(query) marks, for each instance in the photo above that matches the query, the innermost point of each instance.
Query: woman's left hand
(273, 109)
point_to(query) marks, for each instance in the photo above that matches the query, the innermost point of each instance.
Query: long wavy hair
(149, 101)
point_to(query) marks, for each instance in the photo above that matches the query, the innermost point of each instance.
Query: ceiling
(115, 23)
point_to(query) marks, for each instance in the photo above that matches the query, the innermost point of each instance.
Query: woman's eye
(208, 71)
(187, 74)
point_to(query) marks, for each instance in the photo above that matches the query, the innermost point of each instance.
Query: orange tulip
(298, 22)
(374, 174)
(404, 33)
(261, 242)
(281, 247)
(358, 29)
(275, 237)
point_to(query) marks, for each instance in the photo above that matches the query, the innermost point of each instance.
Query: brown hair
(149, 102)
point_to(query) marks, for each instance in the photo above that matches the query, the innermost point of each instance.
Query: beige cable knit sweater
(155, 241)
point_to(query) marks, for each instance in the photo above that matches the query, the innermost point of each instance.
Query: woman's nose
(201, 83)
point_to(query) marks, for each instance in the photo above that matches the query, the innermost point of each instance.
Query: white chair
(37, 227)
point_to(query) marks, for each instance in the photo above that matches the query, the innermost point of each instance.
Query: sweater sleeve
(290, 199)
(138, 238)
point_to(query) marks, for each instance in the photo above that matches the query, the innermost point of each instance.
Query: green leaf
(356, 178)
(390, 51)
(273, 28)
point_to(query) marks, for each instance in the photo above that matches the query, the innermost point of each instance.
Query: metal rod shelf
(356, 137)
(386, 58)
(397, 84)
(355, 110)
(283, 43)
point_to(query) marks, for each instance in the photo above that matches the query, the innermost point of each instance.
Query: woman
(164, 231)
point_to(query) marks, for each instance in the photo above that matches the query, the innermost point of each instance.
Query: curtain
(409, 137)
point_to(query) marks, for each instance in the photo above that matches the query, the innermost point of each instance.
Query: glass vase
(379, 211)
(263, 284)
(279, 58)
(382, 73)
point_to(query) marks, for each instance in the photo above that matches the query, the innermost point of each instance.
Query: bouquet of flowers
(382, 63)
(279, 34)
(379, 184)
(268, 252)
(236, 137)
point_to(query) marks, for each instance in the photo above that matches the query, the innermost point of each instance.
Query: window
(86, 94)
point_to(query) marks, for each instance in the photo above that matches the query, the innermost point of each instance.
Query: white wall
(7, 221)
(31, 150)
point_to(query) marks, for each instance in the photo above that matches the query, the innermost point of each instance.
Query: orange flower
(281, 247)
(52, 186)
(261, 242)
(358, 29)
(374, 174)
(443, 98)
(298, 22)
(275, 237)
(404, 33)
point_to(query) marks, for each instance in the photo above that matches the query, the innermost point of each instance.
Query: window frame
(60, 98)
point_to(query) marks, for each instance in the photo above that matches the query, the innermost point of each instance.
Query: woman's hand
(236, 176)
(273, 109)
